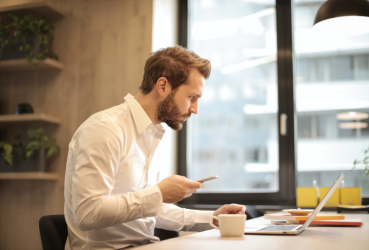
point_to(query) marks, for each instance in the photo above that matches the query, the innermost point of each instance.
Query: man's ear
(162, 86)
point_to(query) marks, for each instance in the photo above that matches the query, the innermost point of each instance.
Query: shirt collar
(139, 115)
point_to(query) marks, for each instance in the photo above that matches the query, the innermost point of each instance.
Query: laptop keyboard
(278, 228)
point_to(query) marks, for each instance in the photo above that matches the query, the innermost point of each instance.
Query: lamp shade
(343, 17)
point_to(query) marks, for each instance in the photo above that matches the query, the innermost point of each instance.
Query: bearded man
(112, 196)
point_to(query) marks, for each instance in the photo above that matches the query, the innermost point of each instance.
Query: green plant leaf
(35, 132)
(44, 138)
(8, 159)
(13, 17)
(53, 150)
(50, 152)
(6, 150)
(28, 17)
(29, 153)
(33, 145)
(27, 47)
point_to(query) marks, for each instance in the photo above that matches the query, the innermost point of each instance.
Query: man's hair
(173, 63)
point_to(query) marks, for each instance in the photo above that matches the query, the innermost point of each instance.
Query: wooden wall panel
(103, 45)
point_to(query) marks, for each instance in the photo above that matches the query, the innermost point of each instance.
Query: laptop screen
(322, 203)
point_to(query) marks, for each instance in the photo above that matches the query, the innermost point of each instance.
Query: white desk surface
(314, 237)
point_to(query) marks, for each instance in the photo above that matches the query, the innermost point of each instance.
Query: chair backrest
(253, 212)
(163, 234)
(53, 231)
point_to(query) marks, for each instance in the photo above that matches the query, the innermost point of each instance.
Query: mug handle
(211, 222)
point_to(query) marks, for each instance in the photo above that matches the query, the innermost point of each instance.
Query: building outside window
(236, 133)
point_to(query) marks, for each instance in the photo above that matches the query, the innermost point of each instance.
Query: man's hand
(176, 188)
(229, 209)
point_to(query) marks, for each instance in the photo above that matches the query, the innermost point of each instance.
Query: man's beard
(168, 112)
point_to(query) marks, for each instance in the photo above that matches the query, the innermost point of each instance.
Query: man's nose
(194, 108)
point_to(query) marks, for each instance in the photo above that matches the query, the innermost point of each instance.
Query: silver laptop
(293, 229)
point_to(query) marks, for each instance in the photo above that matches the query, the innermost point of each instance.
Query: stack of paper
(320, 219)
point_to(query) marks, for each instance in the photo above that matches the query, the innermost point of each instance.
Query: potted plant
(29, 156)
(26, 37)
(365, 162)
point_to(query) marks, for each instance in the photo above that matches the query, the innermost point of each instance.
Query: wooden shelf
(28, 176)
(39, 8)
(23, 65)
(30, 117)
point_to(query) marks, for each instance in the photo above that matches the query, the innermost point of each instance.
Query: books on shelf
(288, 217)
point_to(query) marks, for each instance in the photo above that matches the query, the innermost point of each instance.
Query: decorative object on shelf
(342, 17)
(364, 162)
(27, 37)
(23, 108)
(27, 157)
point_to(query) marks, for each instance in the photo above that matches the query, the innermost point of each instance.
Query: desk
(315, 237)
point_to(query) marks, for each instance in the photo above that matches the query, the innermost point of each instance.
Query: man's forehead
(195, 88)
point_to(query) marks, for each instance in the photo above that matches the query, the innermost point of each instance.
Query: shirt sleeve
(181, 219)
(97, 156)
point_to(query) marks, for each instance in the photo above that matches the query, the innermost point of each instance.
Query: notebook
(294, 229)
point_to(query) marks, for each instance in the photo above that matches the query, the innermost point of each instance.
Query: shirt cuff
(203, 216)
(152, 201)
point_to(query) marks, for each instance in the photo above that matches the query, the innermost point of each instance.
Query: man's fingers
(235, 208)
(193, 184)
(188, 195)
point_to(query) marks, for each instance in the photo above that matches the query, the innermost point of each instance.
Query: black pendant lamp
(343, 18)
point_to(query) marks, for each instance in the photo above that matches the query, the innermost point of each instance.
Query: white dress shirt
(111, 197)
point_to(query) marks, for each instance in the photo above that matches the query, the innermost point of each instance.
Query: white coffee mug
(230, 224)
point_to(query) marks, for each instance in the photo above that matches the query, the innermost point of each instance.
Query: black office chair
(253, 212)
(165, 234)
(54, 232)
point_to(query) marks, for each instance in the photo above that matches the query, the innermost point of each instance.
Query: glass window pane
(235, 133)
(331, 78)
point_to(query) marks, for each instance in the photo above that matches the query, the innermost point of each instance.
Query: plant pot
(13, 52)
(35, 163)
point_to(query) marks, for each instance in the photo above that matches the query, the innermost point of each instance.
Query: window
(236, 134)
(331, 77)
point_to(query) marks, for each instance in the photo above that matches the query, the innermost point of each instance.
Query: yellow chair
(306, 196)
(334, 200)
(350, 196)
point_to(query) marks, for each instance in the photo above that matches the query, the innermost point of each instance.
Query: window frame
(286, 194)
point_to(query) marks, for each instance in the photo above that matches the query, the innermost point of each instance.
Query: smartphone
(208, 179)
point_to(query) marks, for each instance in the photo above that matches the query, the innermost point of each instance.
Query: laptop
(293, 229)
